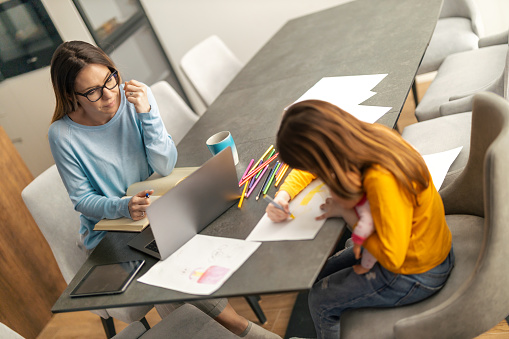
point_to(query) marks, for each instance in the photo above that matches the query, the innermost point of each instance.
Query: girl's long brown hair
(321, 138)
(67, 61)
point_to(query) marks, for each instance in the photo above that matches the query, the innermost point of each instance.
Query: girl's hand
(138, 205)
(275, 214)
(331, 210)
(136, 93)
(357, 250)
(358, 269)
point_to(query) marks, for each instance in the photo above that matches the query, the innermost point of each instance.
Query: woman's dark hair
(68, 60)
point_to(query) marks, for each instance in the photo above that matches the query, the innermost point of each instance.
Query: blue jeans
(339, 288)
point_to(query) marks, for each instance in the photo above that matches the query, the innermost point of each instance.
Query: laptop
(189, 207)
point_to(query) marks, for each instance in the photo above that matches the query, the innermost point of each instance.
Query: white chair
(475, 297)
(458, 29)
(210, 66)
(461, 75)
(52, 209)
(177, 117)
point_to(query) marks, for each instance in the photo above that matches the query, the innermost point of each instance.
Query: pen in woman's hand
(275, 204)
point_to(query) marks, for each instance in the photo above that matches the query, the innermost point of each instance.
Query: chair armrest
(457, 106)
(496, 86)
(495, 39)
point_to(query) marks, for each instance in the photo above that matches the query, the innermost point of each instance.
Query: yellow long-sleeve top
(410, 237)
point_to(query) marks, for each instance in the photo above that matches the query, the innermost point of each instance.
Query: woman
(411, 242)
(106, 135)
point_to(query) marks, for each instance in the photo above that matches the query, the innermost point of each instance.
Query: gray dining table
(357, 38)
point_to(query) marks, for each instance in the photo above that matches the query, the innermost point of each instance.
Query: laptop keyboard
(152, 246)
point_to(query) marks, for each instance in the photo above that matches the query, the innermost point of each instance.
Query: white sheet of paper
(367, 113)
(201, 266)
(439, 163)
(348, 92)
(305, 207)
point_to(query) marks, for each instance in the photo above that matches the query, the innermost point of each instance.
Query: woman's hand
(136, 93)
(274, 213)
(138, 204)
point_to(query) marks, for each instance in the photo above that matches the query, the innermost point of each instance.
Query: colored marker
(272, 175)
(265, 183)
(242, 196)
(275, 204)
(282, 174)
(258, 169)
(270, 155)
(251, 189)
(262, 157)
(247, 169)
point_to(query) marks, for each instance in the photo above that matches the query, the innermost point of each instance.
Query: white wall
(244, 25)
(27, 101)
(495, 14)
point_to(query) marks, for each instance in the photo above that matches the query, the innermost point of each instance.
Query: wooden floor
(277, 307)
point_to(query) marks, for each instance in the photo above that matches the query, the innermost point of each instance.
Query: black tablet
(107, 278)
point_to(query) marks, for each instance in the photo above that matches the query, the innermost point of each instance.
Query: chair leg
(255, 306)
(145, 323)
(414, 92)
(109, 327)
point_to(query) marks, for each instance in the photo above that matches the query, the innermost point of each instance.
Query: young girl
(412, 242)
(106, 135)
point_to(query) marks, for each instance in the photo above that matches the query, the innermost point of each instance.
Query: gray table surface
(360, 37)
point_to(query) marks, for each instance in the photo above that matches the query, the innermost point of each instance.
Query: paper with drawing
(305, 207)
(200, 266)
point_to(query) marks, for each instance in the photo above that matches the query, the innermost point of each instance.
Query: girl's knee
(315, 297)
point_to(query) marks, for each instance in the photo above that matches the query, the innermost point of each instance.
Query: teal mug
(220, 141)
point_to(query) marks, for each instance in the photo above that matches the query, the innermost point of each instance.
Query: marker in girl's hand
(275, 204)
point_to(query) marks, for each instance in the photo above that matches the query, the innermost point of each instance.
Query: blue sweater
(98, 163)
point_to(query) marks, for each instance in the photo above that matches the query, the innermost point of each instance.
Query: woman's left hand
(136, 93)
(139, 203)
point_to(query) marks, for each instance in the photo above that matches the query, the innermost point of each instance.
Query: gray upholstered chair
(52, 209)
(186, 322)
(210, 66)
(461, 75)
(475, 298)
(177, 116)
(458, 29)
(442, 134)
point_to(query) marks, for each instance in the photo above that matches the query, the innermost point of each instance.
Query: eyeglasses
(97, 93)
